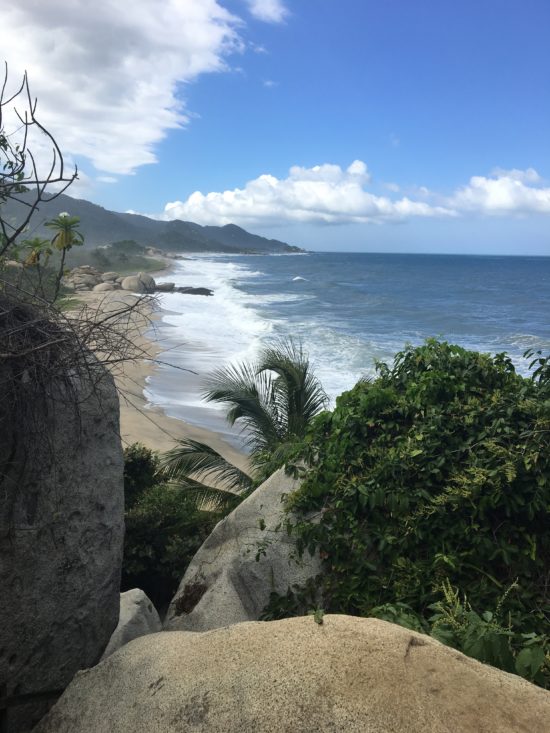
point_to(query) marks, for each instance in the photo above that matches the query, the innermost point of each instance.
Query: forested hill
(101, 226)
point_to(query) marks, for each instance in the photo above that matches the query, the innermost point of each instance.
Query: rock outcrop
(140, 283)
(138, 617)
(347, 675)
(247, 556)
(61, 518)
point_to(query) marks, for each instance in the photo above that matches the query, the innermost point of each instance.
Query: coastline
(140, 421)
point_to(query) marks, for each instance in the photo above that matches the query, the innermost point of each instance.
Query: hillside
(101, 226)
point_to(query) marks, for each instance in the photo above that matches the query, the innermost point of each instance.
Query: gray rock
(61, 530)
(138, 617)
(140, 283)
(88, 281)
(195, 291)
(103, 287)
(247, 556)
(165, 287)
(109, 276)
(346, 675)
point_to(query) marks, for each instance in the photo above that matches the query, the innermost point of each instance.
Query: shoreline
(139, 420)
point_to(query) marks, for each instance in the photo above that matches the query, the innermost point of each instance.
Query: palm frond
(208, 498)
(249, 397)
(191, 458)
(297, 391)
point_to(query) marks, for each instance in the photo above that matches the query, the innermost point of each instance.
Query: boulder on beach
(138, 617)
(165, 287)
(345, 675)
(140, 283)
(195, 291)
(88, 281)
(246, 557)
(103, 287)
(109, 276)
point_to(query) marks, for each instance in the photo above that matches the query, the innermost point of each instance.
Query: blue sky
(383, 126)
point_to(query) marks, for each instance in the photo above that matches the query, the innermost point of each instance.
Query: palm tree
(64, 239)
(274, 400)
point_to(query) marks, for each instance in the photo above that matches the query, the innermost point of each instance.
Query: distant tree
(66, 236)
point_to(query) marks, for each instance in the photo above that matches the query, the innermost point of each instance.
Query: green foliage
(190, 463)
(273, 400)
(437, 469)
(112, 258)
(163, 532)
(490, 638)
(140, 468)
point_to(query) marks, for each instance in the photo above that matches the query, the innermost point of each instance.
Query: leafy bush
(140, 467)
(163, 532)
(164, 529)
(437, 470)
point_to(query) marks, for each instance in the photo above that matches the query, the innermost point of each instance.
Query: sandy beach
(140, 421)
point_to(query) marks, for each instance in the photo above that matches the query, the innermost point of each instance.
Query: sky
(352, 125)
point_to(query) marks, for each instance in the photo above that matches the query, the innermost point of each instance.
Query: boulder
(246, 557)
(346, 675)
(140, 283)
(103, 287)
(88, 281)
(138, 617)
(109, 276)
(195, 291)
(61, 523)
(165, 287)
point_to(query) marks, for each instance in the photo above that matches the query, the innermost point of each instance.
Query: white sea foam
(203, 333)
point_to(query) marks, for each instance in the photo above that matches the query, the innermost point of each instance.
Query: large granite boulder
(104, 287)
(347, 675)
(165, 287)
(138, 617)
(109, 276)
(140, 283)
(246, 557)
(61, 517)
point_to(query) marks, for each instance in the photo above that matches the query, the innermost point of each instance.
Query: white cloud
(269, 83)
(329, 194)
(107, 75)
(322, 194)
(529, 175)
(270, 11)
(505, 193)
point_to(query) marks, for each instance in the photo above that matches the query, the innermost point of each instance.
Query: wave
(346, 316)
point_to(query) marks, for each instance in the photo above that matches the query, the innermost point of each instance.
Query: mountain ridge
(101, 226)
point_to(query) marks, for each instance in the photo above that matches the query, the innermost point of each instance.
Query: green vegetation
(125, 257)
(164, 529)
(434, 476)
(274, 400)
(36, 266)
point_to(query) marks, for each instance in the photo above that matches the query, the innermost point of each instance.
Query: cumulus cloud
(270, 11)
(322, 194)
(504, 193)
(329, 194)
(108, 76)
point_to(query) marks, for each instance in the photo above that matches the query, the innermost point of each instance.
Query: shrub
(140, 468)
(438, 470)
(163, 532)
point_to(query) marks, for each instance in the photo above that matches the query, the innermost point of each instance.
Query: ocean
(348, 310)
